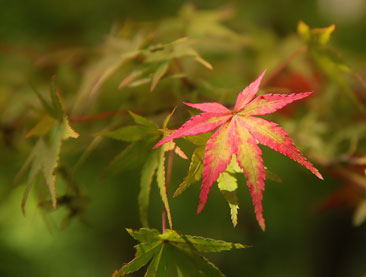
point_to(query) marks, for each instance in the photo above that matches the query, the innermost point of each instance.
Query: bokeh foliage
(154, 58)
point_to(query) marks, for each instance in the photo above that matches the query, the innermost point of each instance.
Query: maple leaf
(173, 254)
(238, 133)
(144, 135)
(51, 130)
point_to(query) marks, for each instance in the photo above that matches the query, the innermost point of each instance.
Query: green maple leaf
(173, 254)
(142, 137)
(157, 60)
(51, 131)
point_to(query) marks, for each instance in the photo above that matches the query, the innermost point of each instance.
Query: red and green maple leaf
(238, 134)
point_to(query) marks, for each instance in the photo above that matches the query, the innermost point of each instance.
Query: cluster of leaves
(238, 135)
(166, 60)
(51, 131)
(143, 136)
(173, 254)
(337, 148)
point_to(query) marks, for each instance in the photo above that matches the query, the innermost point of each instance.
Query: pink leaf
(248, 156)
(269, 103)
(248, 94)
(219, 150)
(198, 124)
(239, 134)
(273, 136)
(210, 107)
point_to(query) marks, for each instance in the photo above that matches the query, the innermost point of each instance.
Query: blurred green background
(299, 240)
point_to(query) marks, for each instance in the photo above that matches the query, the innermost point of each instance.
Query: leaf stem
(168, 179)
(96, 116)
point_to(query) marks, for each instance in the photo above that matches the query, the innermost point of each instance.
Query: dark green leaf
(133, 153)
(172, 254)
(48, 108)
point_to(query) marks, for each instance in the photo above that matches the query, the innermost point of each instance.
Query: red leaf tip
(200, 208)
(262, 225)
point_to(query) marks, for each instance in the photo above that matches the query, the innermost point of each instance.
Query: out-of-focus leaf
(128, 133)
(155, 60)
(335, 70)
(199, 140)
(42, 128)
(134, 153)
(56, 99)
(46, 106)
(158, 74)
(177, 49)
(359, 216)
(75, 204)
(140, 82)
(272, 176)
(172, 254)
(207, 27)
(53, 129)
(315, 36)
(116, 51)
(45, 156)
(143, 136)
(143, 121)
(328, 61)
(346, 134)
(205, 63)
(147, 175)
(303, 30)
(167, 119)
(130, 78)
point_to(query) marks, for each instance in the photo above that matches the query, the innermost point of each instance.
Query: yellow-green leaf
(160, 176)
(194, 171)
(42, 128)
(147, 174)
(44, 158)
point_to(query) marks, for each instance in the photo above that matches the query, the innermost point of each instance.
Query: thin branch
(95, 116)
